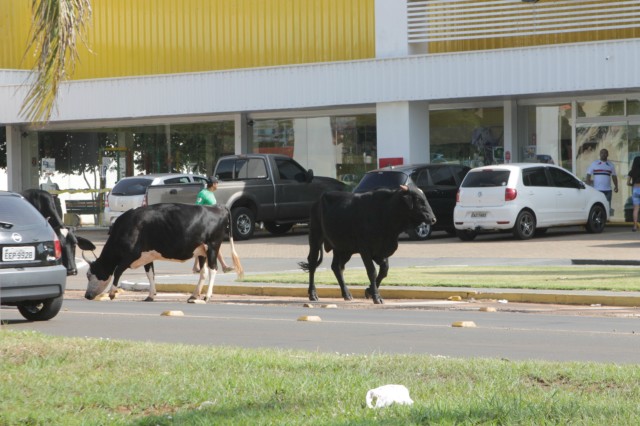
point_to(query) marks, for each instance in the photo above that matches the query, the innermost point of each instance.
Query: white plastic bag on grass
(387, 395)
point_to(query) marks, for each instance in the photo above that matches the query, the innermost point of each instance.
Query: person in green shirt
(206, 198)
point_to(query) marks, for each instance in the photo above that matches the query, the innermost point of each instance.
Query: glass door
(614, 137)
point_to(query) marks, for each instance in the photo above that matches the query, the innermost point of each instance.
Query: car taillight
(106, 199)
(458, 196)
(144, 201)
(57, 247)
(510, 194)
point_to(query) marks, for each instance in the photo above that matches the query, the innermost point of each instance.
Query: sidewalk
(617, 245)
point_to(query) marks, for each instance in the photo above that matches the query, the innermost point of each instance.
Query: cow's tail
(234, 254)
(236, 259)
(306, 266)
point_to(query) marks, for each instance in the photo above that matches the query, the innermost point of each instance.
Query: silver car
(32, 276)
(130, 192)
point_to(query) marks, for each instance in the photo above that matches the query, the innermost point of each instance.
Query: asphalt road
(515, 331)
(413, 328)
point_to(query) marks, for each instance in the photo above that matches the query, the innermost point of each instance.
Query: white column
(14, 159)
(241, 134)
(23, 165)
(510, 116)
(391, 28)
(403, 131)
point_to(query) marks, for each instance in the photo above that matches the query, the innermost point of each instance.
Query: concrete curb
(564, 298)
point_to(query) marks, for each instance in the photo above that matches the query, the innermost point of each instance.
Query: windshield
(133, 186)
(17, 211)
(486, 178)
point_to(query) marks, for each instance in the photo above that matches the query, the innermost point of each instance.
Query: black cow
(168, 231)
(368, 223)
(45, 204)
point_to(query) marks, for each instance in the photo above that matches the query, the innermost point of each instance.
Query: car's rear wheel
(420, 233)
(41, 310)
(525, 227)
(597, 219)
(278, 228)
(243, 223)
(465, 235)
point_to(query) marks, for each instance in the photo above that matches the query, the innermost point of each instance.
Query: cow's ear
(404, 188)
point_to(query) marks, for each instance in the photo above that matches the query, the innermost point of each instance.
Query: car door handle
(173, 192)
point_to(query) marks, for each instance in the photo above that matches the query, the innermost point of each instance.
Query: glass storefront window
(94, 160)
(600, 108)
(590, 139)
(633, 107)
(473, 137)
(544, 135)
(339, 147)
(197, 147)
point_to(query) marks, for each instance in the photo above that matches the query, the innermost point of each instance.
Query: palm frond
(56, 28)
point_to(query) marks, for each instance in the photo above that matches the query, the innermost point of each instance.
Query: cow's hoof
(206, 299)
(149, 299)
(313, 297)
(347, 297)
(72, 272)
(378, 301)
(192, 299)
(112, 296)
(367, 293)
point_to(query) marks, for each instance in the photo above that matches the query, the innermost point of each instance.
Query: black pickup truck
(271, 189)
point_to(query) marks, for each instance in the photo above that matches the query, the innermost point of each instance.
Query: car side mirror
(581, 185)
(309, 175)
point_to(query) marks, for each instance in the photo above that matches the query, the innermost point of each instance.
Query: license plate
(12, 254)
(478, 214)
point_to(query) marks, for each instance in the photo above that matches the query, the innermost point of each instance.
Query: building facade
(342, 86)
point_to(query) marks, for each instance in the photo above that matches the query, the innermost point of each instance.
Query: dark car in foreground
(439, 182)
(32, 276)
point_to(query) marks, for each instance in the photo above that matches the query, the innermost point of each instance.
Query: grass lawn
(578, 277)
(72, 381)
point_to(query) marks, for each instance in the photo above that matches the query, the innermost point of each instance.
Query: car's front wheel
(597, 219)
(243, 223)
(41, 310)
(420, 233)
(525, 227)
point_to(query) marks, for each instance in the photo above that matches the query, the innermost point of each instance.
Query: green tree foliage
(57, 26)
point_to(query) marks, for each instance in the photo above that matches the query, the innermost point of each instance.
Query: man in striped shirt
(600, 174)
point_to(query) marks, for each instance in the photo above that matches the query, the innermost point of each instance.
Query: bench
(75, 208)
(82, 206)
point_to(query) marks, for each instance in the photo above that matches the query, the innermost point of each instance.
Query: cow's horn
(404, 187)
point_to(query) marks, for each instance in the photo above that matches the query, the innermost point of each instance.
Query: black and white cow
(45, 204)
(368, 223)
(168, 231)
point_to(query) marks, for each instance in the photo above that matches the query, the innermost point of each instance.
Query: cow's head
(95, 285)
(419, 209)
(97, 279)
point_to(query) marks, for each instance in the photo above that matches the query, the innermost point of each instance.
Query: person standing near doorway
(633, 180)
(600, 174)
(206, 198)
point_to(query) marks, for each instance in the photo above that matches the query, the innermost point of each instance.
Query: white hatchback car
(526, 199)
(130, 192)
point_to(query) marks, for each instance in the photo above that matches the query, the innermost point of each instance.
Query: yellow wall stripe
(143, 37)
